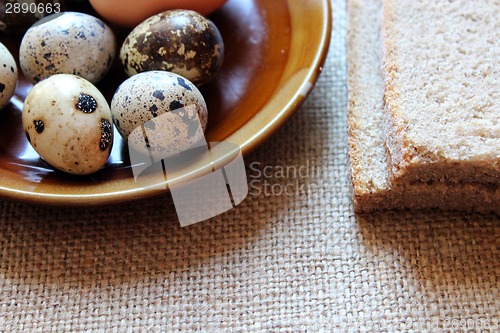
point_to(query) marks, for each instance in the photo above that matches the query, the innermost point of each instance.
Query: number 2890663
(32, 8)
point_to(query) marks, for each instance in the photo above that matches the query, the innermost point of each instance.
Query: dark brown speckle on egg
(86, 103)
(154, 110)
(39, 126)
(106, 134)
(176, 105)
(183, 83)
(159, 94)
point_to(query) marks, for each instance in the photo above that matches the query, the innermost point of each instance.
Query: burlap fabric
(296, 262)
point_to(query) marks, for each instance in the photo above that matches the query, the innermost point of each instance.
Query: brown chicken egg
(130, 13)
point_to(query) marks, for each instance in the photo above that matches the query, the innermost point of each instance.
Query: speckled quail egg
(168, 107)
(67, 43)
(8, 76)
(69, 123)
(179, 41)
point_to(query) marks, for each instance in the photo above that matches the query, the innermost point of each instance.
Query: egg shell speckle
(65, 136)
(168, 106)
(8, 76)
(67, 43)
(179, 41)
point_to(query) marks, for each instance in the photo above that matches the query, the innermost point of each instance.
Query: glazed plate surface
(275, 51)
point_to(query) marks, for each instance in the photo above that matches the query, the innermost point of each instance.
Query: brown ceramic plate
(274, 53)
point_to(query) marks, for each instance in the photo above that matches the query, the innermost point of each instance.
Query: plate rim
(121, 196)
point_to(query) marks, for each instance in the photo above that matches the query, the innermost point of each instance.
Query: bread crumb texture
(442, 90)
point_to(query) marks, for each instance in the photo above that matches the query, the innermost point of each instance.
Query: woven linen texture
(298, 262)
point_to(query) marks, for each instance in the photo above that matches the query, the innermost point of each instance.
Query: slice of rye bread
(372, 189)
(442, 94)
